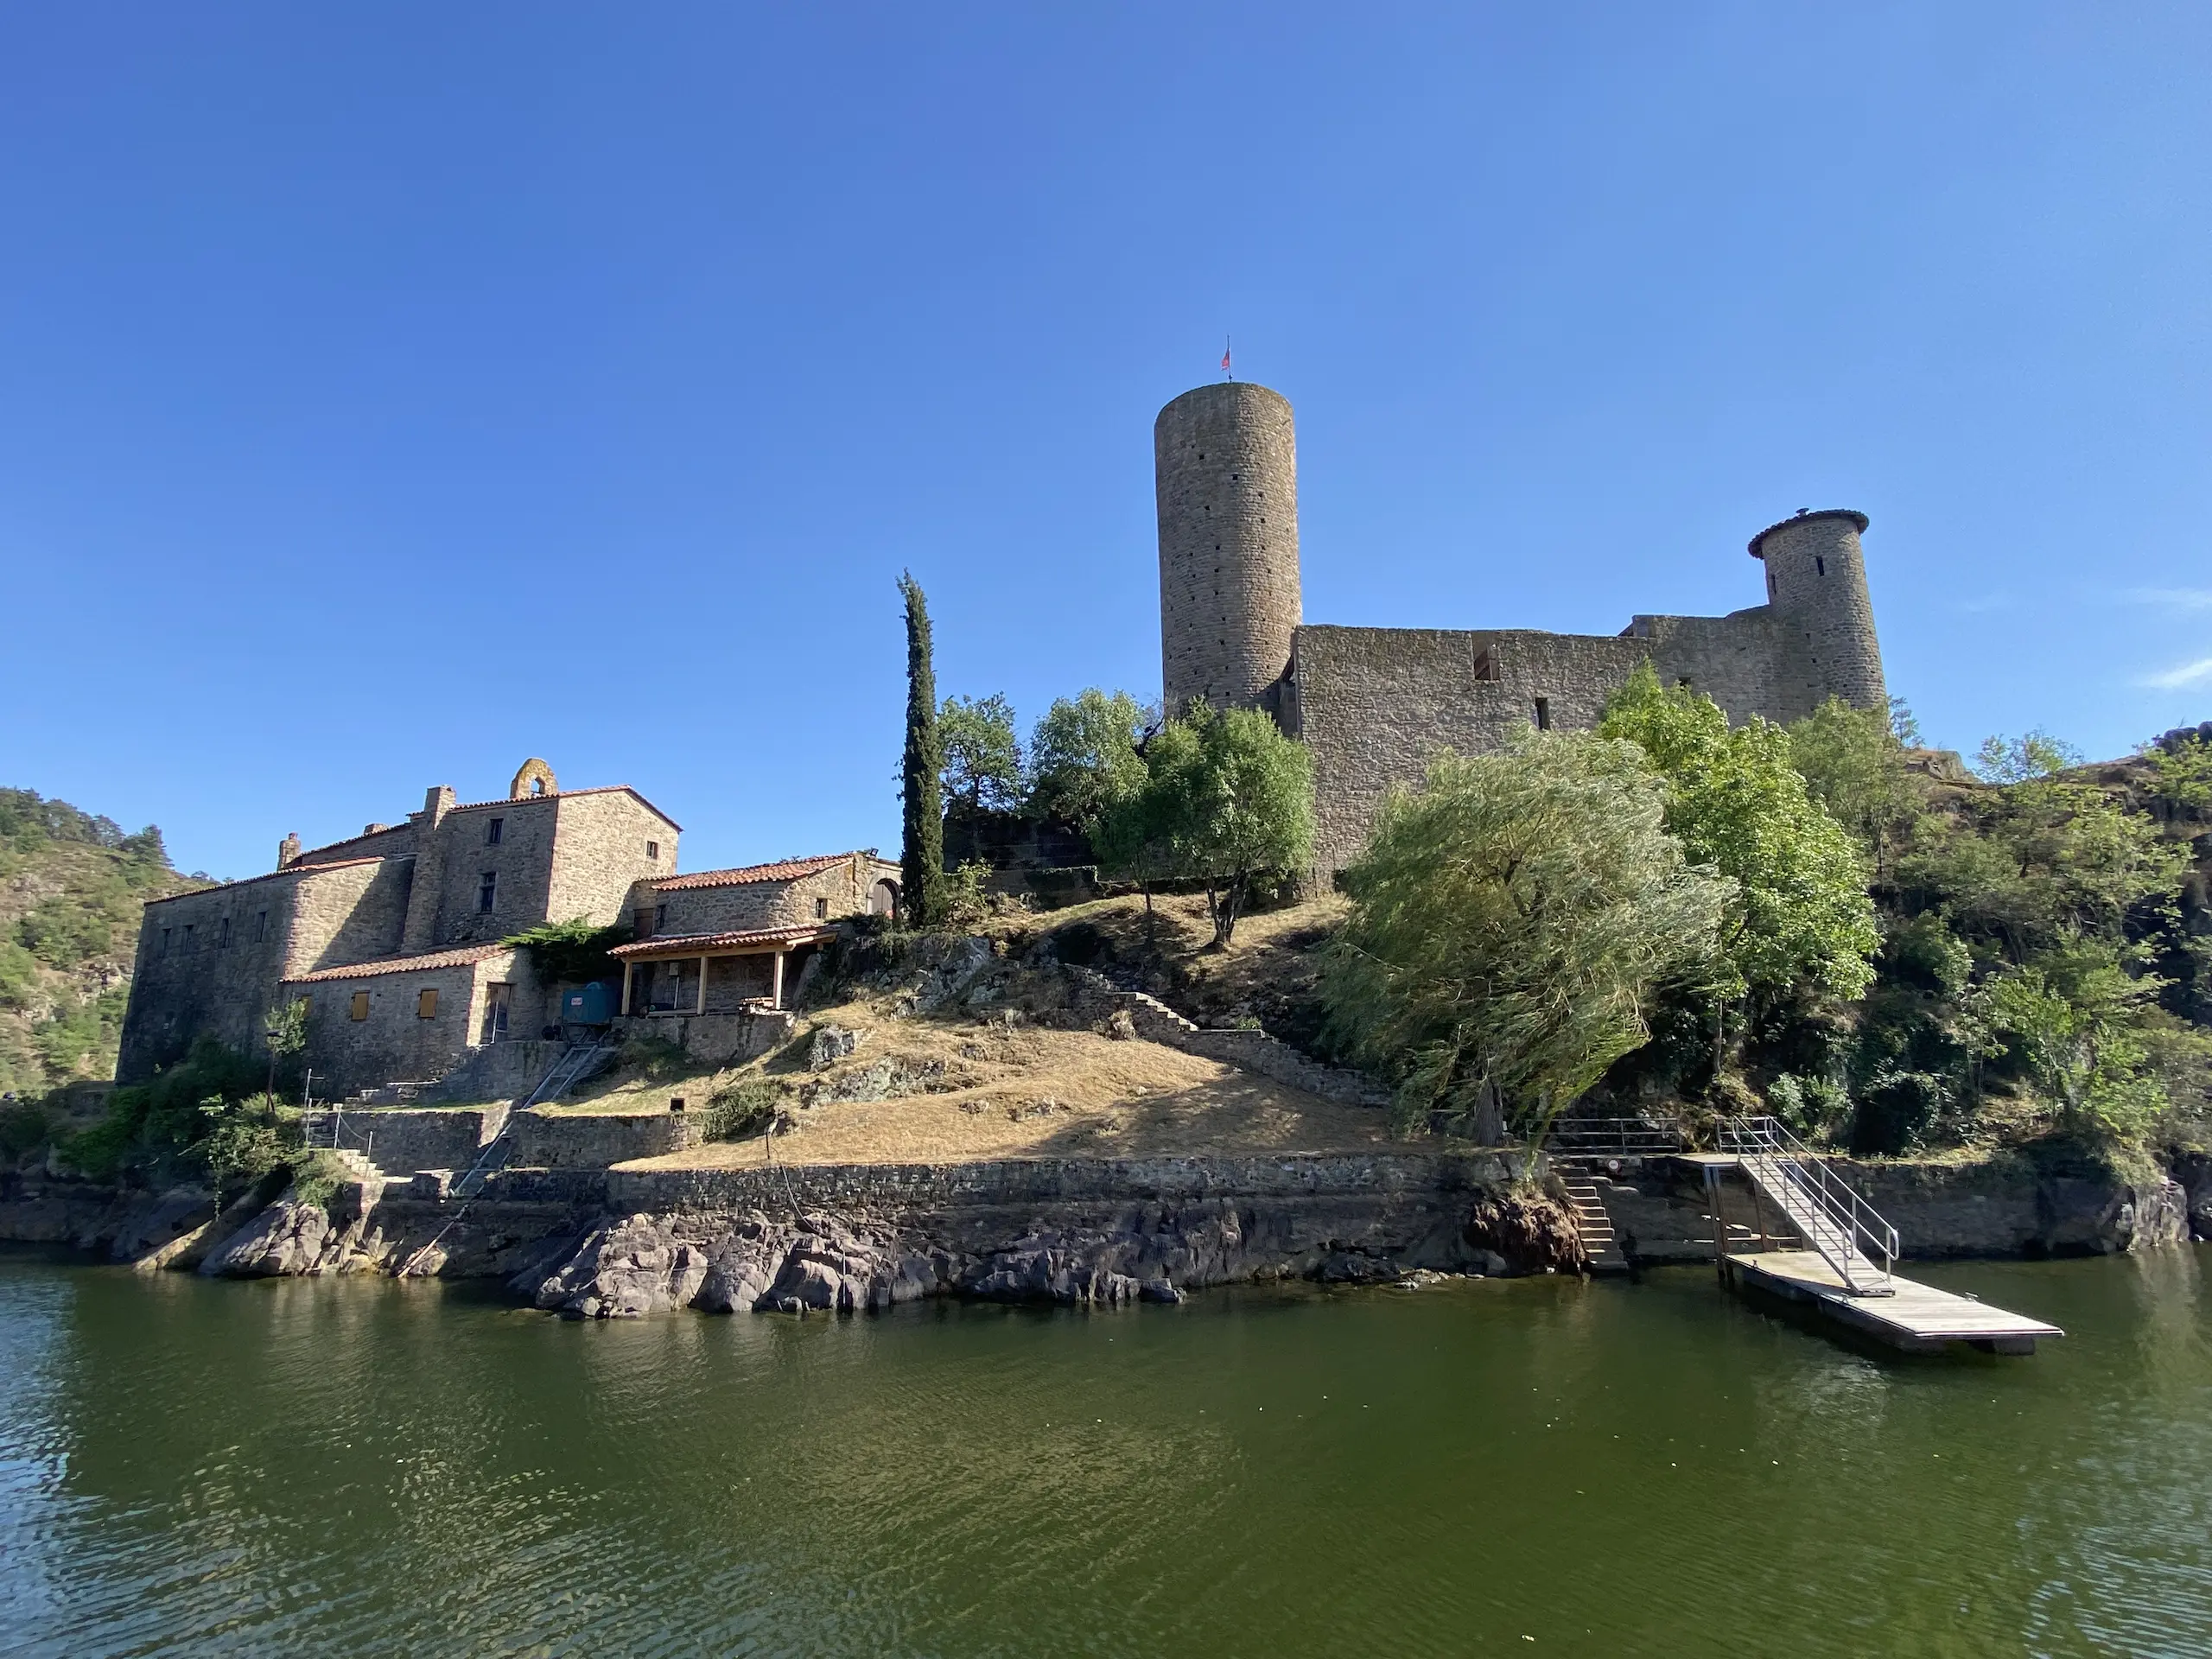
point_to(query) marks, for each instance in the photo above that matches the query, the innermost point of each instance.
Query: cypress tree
(922, 852)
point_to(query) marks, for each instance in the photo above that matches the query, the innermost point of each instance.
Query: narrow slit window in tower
(1820, 565)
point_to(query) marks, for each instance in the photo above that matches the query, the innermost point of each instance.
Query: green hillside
(70, 888)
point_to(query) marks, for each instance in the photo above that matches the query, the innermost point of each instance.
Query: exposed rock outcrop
(1077, 1251)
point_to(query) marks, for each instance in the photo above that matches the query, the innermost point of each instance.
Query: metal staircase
(577, 1061)
(1846, 1231)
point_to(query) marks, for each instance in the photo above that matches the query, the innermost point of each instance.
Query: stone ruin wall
(1375, 705)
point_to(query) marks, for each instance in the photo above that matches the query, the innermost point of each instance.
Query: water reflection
(374, 1468)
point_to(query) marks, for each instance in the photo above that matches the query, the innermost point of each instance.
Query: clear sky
(391, 392)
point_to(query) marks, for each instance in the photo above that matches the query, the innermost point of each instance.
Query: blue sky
(389, 393)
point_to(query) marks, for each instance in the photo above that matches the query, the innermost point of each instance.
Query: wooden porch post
(702, 985)
(629, 970)
(776, 982)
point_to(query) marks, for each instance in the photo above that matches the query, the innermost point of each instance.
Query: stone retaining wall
(401, 1140)
(598, 1141)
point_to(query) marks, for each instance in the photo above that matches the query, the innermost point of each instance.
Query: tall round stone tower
(1817, 587)
(1225, 462)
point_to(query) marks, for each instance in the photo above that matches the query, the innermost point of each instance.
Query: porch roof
(749, 941)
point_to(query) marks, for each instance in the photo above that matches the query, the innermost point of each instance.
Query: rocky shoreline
(627, 1243)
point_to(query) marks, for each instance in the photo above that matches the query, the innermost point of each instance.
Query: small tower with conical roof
(1817, 588)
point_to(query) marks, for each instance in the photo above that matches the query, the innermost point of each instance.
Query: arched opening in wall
(883, 899)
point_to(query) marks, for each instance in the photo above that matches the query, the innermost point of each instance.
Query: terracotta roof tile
(787, 869)
(458, 957)
(691, 945)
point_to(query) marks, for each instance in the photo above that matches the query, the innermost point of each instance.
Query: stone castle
(394, 938)
(1374, 704)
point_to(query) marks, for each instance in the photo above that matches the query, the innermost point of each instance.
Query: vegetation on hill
(1903, 964)
(71, 885)
(1510, 925)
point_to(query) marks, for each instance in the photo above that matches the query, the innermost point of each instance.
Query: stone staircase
(1588, 1201)
(1250, 1050)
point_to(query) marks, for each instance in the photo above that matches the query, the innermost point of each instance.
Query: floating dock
(1916, 1318)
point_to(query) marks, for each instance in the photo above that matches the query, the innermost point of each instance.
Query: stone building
(393, 937)
(1373, 705)
(722, 941)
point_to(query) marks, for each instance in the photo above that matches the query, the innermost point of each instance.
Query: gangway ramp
(1842, 1261)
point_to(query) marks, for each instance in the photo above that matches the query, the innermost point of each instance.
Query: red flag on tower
(1224, 354)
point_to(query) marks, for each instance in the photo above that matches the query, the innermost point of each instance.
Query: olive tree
(1510, 925)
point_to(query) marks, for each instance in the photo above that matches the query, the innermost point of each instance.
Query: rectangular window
(1820, 567)
(485, 890)
(653, 849)
(492, 831)
(165, 940)
(426, 1005)
(822, 910)
(1543, 713)
(189, 929)
(660, 917)
(360, 1007)
(223, 934)
(260, 926)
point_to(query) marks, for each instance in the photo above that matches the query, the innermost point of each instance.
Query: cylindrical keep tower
(1817, 587)
(1225, 463)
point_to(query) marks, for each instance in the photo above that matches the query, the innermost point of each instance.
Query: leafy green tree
(2023, 760)
(1510, 926)
(2078, 1019)
(2035, 865)
(1226, 798)
(2181, 777)
(1082, 756)
(983, 756)
(1853, 762)
(1801, 915)
(921, 801)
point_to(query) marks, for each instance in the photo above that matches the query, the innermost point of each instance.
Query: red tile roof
(247, 881)
(458, 957)
(788, 869)
(693, 944)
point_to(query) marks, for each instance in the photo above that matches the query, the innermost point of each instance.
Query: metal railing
(1630, 1137)
(1849, 1234)
(563, 1073)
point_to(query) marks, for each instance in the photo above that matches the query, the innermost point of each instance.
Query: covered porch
(716, 973)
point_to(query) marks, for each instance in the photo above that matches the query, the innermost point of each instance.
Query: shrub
(741, 1111)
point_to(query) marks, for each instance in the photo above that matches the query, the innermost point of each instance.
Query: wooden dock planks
(1918, 1318)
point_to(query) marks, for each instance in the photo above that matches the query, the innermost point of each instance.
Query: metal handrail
(1627, 1136)
(494, 1157)
(1849, 1234)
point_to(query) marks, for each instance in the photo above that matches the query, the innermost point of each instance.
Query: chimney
(437, 801)
(288, 851)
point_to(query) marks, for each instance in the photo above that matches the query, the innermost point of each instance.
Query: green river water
(358, 1467)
